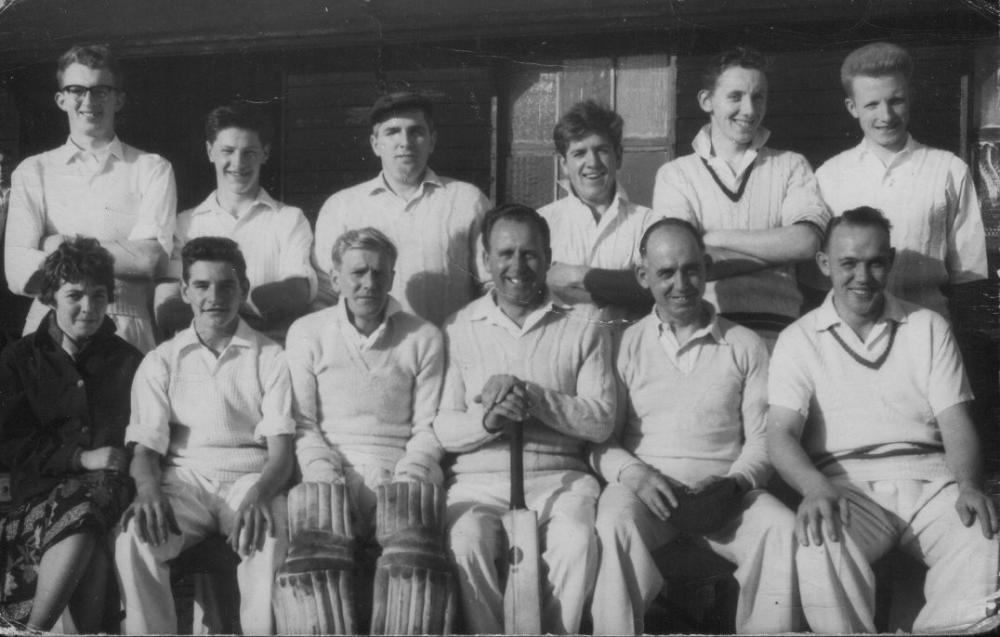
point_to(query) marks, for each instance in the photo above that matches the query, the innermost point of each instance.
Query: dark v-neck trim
(875, 364)
(733, 196)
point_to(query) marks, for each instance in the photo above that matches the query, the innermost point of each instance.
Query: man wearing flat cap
(434, 221)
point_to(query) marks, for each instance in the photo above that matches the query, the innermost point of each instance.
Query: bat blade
(522, 607)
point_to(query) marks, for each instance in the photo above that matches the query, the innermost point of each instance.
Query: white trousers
(919, 516)
(565, 502)
(760, 542)
(202, 506)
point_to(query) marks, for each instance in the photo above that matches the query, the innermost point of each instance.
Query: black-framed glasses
(99, 92)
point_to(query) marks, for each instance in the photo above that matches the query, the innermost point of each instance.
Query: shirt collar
(244, 337)
(391, 309)
(865, 146)
(827, 316)
(702, 142)
(211, 203)
(485, 308)
(70, 151)
(380, 185)
(711, 329)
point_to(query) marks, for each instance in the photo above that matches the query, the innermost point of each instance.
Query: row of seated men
(675, 413)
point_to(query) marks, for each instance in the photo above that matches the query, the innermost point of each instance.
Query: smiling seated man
(518, 358)
(433, 220)
(212, 433)
(689, 456)
(275, 238)
(926, 193)
(869, 421)
(759, 209)
(94, 186)
(595, 228)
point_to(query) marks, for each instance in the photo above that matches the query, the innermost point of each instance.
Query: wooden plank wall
(326, 130)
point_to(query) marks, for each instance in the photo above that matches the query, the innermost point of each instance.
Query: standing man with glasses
(97, 186)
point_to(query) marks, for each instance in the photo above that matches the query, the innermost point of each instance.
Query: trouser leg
(143, 573)
(566, 503)
(962, 564)
(255, 573)
(475, 542)
(761, 542)
(836, 581)
(628, 579)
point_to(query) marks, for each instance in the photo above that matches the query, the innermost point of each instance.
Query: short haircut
(865, 217)
(241, 115)
(521, 214)
(393, 104)
(216, 249)
(95, 56)
(77, 260)
(741, 56)
(584, 119)
(670, 222)
(875, 60)
(363, 239)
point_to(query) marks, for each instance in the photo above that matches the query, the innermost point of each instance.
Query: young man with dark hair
(94, 185)
(276, 238)
(212, 432)
(927, 193)
(759, 208)
(517, 358)
(596, 228)
(434, 221)
(869, 421)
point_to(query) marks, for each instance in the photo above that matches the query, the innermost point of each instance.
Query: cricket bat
(522, 606)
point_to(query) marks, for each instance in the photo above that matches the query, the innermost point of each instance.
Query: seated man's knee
(570, 539)
(473, 532)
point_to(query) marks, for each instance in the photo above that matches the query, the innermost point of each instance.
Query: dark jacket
(52, 406)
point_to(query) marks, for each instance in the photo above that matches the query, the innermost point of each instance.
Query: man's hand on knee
(823, 507)
(152, 515)
(253, 524)
(972, 503)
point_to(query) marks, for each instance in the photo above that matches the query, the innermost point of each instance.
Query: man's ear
(823, 261)
(335, 280)
(208, 150)
(641, 276)
(267, 153)
(852, 108)
(184, 290)
(119, 100)
(705, 100)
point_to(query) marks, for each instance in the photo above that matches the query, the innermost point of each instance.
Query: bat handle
(516, 433)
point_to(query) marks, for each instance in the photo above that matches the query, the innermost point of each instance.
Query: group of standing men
(864, 411)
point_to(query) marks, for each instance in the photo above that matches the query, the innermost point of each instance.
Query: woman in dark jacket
(64, 406)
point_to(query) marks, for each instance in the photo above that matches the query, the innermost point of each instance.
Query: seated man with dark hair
(212, 430)
(275, 238)
(63, 411)
(869, 421)
(518, 359)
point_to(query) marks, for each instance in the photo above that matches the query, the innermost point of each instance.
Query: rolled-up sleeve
(25, 226)
(296, 249)
(803, 202)
(966, 254)
(789, 383)
(276, 404)
(149, 424)
(157, 214)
